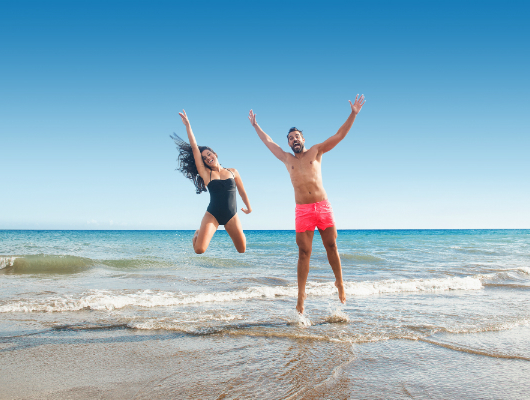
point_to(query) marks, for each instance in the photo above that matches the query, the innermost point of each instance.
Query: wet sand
(130, 364)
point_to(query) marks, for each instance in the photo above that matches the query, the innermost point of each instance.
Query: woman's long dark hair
(187, 162)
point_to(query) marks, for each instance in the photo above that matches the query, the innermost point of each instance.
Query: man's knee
(304, 241)
(304, 251)
(330, 245)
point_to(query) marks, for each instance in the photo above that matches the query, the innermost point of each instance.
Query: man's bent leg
(304, 240)
(329, 239)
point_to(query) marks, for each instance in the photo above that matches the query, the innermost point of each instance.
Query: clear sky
(90, 92)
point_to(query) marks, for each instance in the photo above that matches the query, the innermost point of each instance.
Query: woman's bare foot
(342, 294)
(300, 304)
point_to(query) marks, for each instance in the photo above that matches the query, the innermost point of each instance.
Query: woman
(200, 164)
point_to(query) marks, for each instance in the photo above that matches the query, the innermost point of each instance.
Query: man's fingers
(252, 117)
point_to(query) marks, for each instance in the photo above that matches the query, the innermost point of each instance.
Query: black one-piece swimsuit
(222, 199)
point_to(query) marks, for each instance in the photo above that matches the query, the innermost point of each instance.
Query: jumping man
(312, 205)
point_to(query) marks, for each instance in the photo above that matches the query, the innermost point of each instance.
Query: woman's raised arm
(194, 147)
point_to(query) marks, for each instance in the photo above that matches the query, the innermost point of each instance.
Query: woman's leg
(204, 234)
(235, 230)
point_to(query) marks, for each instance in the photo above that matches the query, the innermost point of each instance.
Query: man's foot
(342, 293)
(300, 304)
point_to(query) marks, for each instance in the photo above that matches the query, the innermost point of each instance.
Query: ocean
(137, 314)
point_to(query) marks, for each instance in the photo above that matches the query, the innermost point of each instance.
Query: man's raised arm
(331, 142)
(273, 147)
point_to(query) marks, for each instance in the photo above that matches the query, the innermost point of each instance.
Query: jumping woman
(200, 164)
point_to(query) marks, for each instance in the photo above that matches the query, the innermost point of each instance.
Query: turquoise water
(428, 286)
(400, 284)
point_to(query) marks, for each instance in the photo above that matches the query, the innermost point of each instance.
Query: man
(312, 206)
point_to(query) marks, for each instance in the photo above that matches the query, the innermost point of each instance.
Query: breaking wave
(44, 264)
(67, 264)
(109, 300)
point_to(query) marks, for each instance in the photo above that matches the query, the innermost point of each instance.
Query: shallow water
(459, 291)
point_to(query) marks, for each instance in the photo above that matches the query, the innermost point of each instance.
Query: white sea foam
(172, 324)
(501, 326)
(295, 318)
(106, 300)
(337, 315)
(6, 262)
(507, 274)
(398, 286)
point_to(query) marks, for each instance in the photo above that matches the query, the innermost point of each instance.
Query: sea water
(429, 287)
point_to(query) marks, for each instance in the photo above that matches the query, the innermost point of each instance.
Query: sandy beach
(123, 364)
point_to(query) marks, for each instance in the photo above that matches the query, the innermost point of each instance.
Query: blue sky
(90, 92)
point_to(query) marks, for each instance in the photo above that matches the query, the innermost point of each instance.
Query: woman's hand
(185, 119)
(247, 211)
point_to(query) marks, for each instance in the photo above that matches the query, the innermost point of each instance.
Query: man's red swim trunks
(309, 216)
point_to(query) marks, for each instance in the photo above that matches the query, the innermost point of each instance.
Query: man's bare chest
(304, 169)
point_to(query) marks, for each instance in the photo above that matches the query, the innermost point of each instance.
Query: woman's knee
(199, 250)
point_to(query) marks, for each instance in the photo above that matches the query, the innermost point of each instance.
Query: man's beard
(299, 150)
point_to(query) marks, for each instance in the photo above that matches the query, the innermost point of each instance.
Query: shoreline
(123, 364)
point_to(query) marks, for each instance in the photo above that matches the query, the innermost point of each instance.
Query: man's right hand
(357, 104)
(252, 118)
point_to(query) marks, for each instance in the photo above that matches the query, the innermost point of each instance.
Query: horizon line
(286, 230)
